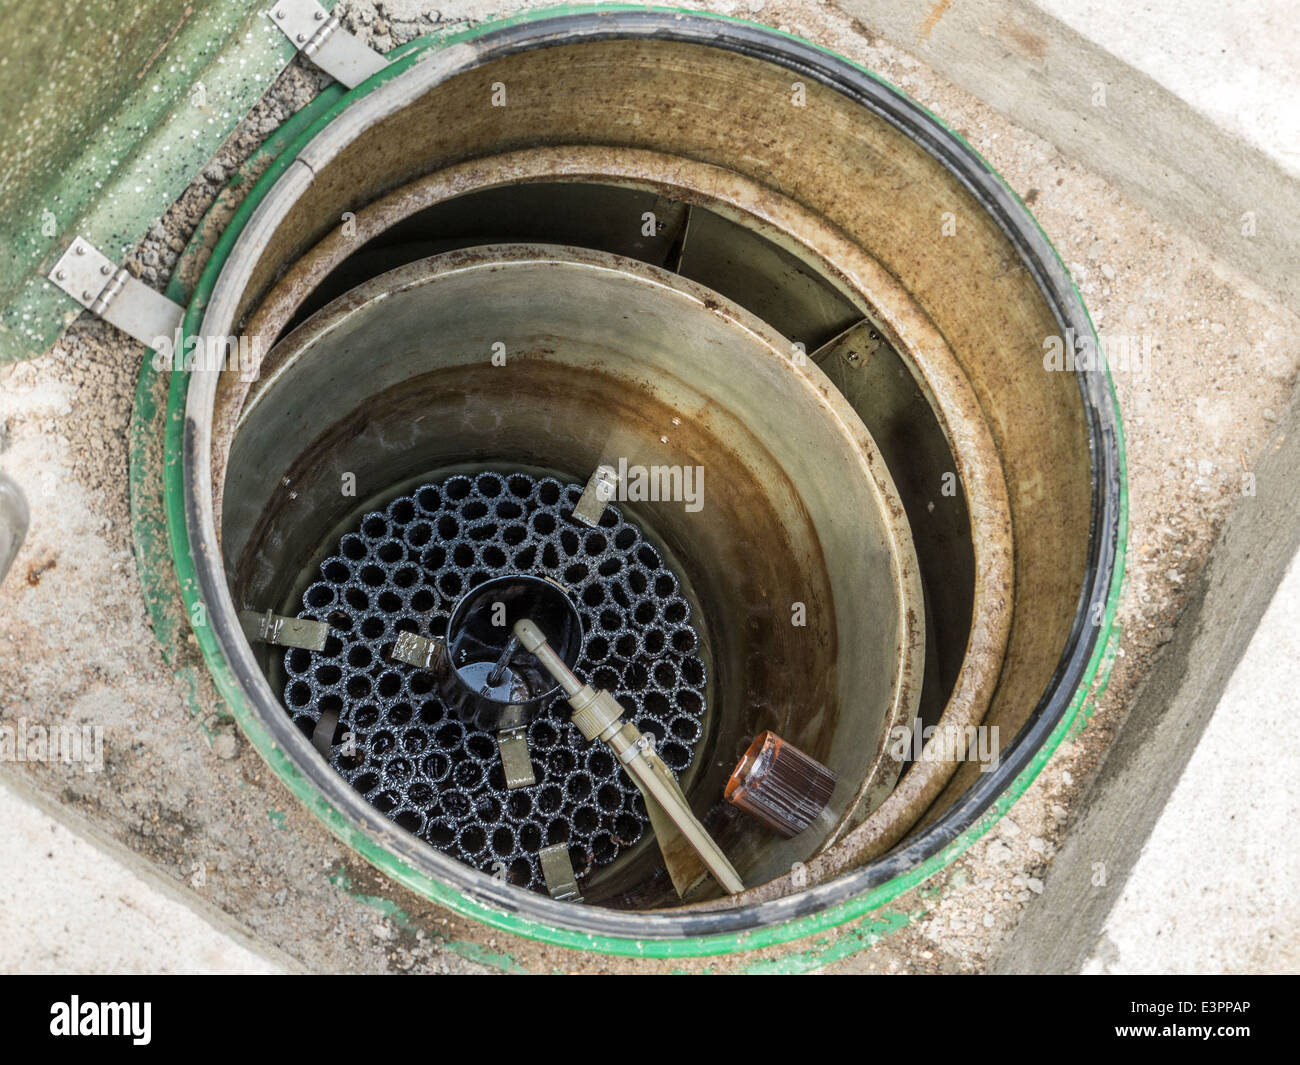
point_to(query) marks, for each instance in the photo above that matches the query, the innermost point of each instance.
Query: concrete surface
(1215, 893)
(1238, 64)
(180, 790)
(1135, 97)
(1213, 888)
(70, 906)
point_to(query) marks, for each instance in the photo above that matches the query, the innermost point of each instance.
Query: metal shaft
(535, 644)
(498, 671)
(599, 716)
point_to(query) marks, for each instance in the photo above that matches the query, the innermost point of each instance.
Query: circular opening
(850, 571)
(482, 650)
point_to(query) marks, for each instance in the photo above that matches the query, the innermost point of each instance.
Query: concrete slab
(1214, 888)
(1238, 64)
(69, 905)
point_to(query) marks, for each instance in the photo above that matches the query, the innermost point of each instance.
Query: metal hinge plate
(90, 277)
(316, 34)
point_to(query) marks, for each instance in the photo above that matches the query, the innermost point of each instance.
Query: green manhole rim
(1042, 735)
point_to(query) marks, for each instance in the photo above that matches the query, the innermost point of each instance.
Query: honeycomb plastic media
(397, 742)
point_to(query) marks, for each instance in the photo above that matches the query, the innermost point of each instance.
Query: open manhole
(798, 325)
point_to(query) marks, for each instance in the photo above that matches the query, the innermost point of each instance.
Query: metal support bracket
(601, 486)
(89, 276)
(322, 736)
(516, 759)
(316, 34)
(557, 869)
(276, 629)
(856, 346)
(418, 651)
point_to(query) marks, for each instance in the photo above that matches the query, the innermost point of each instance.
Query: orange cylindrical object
(779, 785)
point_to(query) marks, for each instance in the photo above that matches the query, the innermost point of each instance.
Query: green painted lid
(108, 108)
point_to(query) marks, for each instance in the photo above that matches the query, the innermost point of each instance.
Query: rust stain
(37, 569)
(1027, 43)
(932, 19)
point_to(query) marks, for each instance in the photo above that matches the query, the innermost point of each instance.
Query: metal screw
(80, 249)
(60, 274)
(105, 269)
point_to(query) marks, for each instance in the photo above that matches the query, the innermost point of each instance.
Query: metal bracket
(601, 486)
(642, 745)
(276, 629)
(557, 869)
(316, 34)
(674, 219)
(516, 759)
(856, 346)
(418, 651)
(322, 736)
(89, 276)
